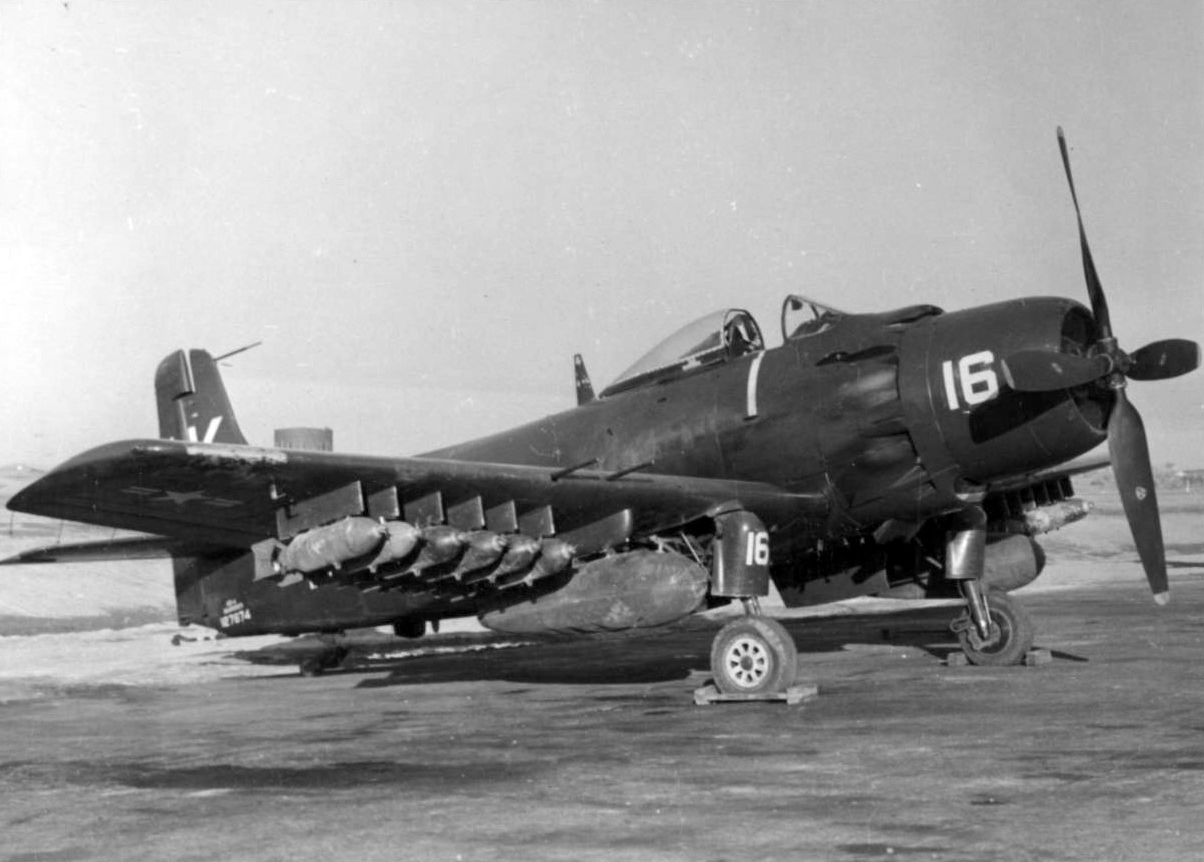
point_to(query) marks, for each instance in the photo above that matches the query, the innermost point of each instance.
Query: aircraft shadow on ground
(650, 657)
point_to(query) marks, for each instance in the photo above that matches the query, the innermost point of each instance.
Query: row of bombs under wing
(523, 575)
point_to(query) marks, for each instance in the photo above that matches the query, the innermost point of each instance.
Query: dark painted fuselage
(892, 415)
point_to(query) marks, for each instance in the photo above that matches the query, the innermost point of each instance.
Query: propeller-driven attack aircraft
(904, 453)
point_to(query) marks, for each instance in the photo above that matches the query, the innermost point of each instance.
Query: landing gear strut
(753, 657)
(993, 631)
(1009, 634)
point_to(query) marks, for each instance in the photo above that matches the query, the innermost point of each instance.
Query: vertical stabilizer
(192, 400)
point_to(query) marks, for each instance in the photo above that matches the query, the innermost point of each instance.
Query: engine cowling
(965, 420)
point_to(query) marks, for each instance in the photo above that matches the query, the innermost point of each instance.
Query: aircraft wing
(235, 496)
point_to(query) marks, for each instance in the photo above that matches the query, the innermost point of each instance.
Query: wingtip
(1162, 599)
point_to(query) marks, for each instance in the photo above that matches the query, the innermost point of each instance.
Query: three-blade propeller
(1105, 362)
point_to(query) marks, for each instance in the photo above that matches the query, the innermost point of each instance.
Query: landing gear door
(740, 566)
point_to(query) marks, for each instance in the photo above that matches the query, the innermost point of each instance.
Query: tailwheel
(327, 659)
(1010, 638)
(754, 655)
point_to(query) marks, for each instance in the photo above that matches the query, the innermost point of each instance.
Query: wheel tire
(753, 655)
(1013, 640)
(409, 628)
(329, 659)
(313, 667)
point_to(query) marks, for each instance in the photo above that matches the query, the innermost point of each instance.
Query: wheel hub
(748, 662)
(992, 640)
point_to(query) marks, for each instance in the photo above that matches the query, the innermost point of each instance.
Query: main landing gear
(753, 657)
(994, 631)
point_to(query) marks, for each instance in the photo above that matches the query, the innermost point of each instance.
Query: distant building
(1190, 479)
(320, 439)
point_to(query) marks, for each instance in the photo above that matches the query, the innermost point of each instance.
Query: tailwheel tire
(1011, 634)
(312, 667)
(753, 655)
(328, 659)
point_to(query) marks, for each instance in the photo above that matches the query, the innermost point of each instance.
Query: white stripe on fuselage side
(754, 370)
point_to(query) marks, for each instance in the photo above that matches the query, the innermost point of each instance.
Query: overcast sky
(425, 208)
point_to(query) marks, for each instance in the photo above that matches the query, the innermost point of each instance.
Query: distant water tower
(320, 439)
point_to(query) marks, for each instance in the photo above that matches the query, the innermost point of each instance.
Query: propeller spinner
(1106, 364)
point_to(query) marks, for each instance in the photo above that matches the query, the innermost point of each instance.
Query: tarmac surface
(594, 749)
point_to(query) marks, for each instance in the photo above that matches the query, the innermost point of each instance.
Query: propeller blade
(1099, 303)
(1135, 480)
(1048, 370)
(1162, 360)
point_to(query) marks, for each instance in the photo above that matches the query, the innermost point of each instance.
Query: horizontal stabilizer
(130, 548)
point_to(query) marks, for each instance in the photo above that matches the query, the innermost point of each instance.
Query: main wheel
(1011, 635)
(753, 655)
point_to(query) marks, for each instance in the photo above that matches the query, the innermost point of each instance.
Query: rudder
(192, 400)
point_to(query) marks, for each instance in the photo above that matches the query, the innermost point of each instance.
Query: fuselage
(892, 415)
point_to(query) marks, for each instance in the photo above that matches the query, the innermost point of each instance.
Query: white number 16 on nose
(976, 375)
(756, 550)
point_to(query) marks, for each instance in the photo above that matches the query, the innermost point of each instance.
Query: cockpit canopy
(715, 338)
(721, 336)
(802, 317)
